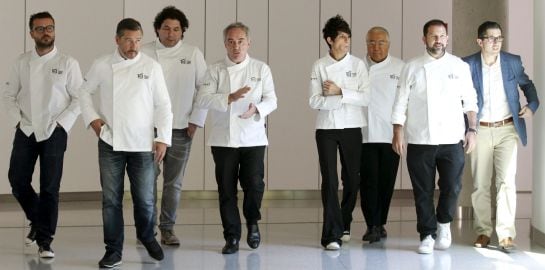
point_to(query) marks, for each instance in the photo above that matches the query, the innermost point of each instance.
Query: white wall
(286, 34)
(538, 200)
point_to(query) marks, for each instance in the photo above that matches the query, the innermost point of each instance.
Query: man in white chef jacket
(184, 67)
(239, 93)
(379, 162)
(435, 91)
(339, 88)
(42, 103)
(133, 100)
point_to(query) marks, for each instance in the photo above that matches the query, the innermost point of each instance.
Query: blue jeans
(42, 210)
(174, 165)
(423, 161)
(140, 170)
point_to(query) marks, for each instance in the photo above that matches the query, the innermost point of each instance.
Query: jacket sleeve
(268, 100)
(317, 100)
(198, 115)
(208, 96)
(86, 92)
(162, 114)
(73, 82)
(399, 112)
(9, 95)
(469, 94)
(526, 85)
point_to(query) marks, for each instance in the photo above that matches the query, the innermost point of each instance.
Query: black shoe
(154, 249)
(31, 236)
(372, 234)
(254, 237)
(383, 233)
(231, 246)
(111, 259)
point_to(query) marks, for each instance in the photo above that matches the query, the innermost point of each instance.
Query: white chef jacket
(383, 77)
(432, 98)
(133, 99)
(184, 67)
(341, 111)
(226, 77)
(41, 91)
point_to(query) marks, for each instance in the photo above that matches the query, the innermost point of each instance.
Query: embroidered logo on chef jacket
(394, 77)
(185, 61)
(453, 76)
(56, 71)
(254, 79)
(351, 74)
(142, 76)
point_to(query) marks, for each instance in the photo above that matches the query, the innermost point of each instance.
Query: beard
(436, 49)
(45, 43)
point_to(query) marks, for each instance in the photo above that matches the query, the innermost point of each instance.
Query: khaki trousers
(496, 151)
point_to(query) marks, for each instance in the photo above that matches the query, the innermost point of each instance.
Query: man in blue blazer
(497, 75)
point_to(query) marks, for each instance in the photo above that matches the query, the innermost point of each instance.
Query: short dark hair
(335, 25)
(481, 31)
(39, 15)
(434, 22)
(127, 24)
(170, 12)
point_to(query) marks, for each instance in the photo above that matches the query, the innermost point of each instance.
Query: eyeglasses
(493, 39)
(41, 29)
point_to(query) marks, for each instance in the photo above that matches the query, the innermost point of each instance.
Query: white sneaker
(46, 252)
(426, 245)
(346, 236)
(333, 246)
(444, 238)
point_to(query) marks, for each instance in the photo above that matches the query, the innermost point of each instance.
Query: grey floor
(290, 240)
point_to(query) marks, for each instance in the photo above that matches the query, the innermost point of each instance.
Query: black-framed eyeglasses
(492, 39)
(47, 28)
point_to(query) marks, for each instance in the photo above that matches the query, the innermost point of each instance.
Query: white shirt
(133, 99)
(225, 77)
(383, 77)
(495, 105)
(184, 68)
(432, 98)
(341, 111)
(41, 91)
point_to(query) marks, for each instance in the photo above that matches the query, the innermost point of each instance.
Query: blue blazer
(513, 77)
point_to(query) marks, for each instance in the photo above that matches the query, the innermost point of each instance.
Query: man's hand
(470, 141)
(330, 89)
(526, 112)
(397, 140)
(160, 150)
(191, 129)
(97, 125)
(238, 94)
(252, 109)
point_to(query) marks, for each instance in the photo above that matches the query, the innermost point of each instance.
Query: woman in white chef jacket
(339, 87)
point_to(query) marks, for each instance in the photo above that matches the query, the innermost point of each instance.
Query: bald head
(378, 43)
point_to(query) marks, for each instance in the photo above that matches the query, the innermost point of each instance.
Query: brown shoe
(507, 243)
(482, 241)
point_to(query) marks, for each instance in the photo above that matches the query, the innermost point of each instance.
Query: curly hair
(170, 12)
(335, 25)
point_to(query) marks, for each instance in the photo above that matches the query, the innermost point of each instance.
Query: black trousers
(41, 209)
(244, 164)
(422, 162)
(379, 164)
(348, 142)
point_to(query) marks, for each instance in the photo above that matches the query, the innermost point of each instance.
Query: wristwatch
(472, 130)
